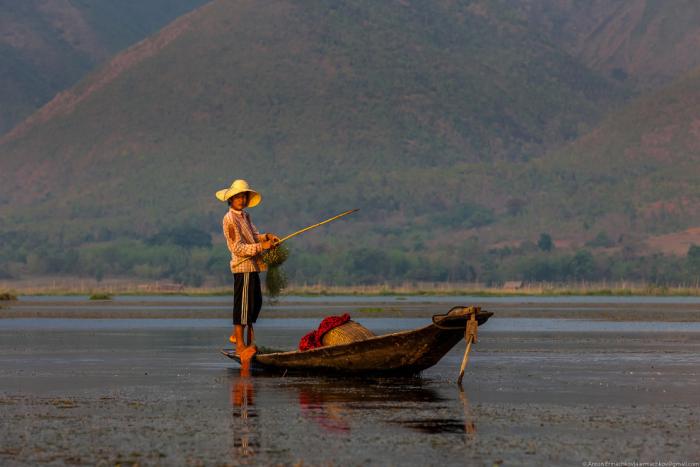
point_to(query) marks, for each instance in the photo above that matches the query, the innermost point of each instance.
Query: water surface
(157, 391)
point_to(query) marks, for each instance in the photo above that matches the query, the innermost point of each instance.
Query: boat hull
(405, 352)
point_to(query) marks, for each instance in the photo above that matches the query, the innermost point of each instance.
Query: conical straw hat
(239, 186)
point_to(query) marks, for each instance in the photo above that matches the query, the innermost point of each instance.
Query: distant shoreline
(68, 287)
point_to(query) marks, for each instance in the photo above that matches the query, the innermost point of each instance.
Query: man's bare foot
(232, 338)
(246, 357)
(248, 353)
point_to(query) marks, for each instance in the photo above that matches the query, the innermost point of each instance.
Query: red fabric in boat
(313, 339)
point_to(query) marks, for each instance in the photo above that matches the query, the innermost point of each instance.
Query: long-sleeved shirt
(243, 241)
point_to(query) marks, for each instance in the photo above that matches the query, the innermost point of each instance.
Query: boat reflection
(332, 403)
(246, 437)
(436, 425)
(328, 414)
(337, 405)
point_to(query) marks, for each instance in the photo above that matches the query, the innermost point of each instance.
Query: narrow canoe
(405, 352)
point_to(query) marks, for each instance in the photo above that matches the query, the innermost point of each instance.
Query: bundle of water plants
(276, 280)
(7, 296)
(275, 256)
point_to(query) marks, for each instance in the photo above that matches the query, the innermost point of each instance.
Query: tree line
(187, 255)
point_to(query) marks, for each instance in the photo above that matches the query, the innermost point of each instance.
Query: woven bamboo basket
(347, 333)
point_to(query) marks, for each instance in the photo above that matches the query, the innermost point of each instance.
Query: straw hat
(239, 186)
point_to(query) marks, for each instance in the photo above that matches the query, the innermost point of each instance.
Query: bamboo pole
(317, 225)
(301, 231)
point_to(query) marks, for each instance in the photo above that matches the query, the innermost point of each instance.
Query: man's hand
(266, 244)
(272, 238)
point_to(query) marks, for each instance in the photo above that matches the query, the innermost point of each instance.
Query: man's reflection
(246, 440)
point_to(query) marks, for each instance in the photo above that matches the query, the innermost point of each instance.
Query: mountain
(642, 43)
(636, 172)
(48, 45)
(341, 98)
(445, 122)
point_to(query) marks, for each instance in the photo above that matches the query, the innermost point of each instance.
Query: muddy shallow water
(537, 391)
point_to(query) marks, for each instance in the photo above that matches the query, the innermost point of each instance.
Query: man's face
(239, 201)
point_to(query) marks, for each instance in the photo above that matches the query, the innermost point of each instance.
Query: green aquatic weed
(100, 296)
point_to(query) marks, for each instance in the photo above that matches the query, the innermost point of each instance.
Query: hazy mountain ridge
(443, 121)
(440, 86)
(48, 45)
(646, 155)
(66, 101)
(646, 43)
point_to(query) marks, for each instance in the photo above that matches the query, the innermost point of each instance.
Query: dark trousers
(247, 297)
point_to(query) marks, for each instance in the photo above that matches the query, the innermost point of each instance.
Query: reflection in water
(368, 391)
(328, 414)
(246, 435)
(329, 402)
(469, 423)
(336, 405)
(434, 426)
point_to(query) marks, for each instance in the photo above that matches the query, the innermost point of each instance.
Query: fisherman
(246, 245)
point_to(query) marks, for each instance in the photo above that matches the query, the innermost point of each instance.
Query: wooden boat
(404, 352)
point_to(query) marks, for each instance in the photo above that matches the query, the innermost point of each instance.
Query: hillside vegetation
(466, 137)
(335, 96)
(642, 43)
(636, 173)
(48, 45)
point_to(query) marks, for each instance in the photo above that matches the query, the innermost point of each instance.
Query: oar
(465, 359)
(470, 335)
(301, 231)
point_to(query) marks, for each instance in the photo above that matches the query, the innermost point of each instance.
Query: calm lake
(157, 391)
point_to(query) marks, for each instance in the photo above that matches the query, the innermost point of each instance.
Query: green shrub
(602, 240)
(545, 242)
(100, 296)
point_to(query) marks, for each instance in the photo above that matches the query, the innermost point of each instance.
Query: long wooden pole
(305, 229)
(465, 359)
(317, 225)
(470, 335)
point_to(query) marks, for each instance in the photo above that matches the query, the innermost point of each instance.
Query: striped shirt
(243, 241)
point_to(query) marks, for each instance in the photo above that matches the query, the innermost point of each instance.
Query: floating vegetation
(100, 296)
(263, 349)
(276, 279)
(7, 296)
(63, 403)
(371, 310)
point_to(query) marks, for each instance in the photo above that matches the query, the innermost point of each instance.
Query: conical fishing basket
(347, 333)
